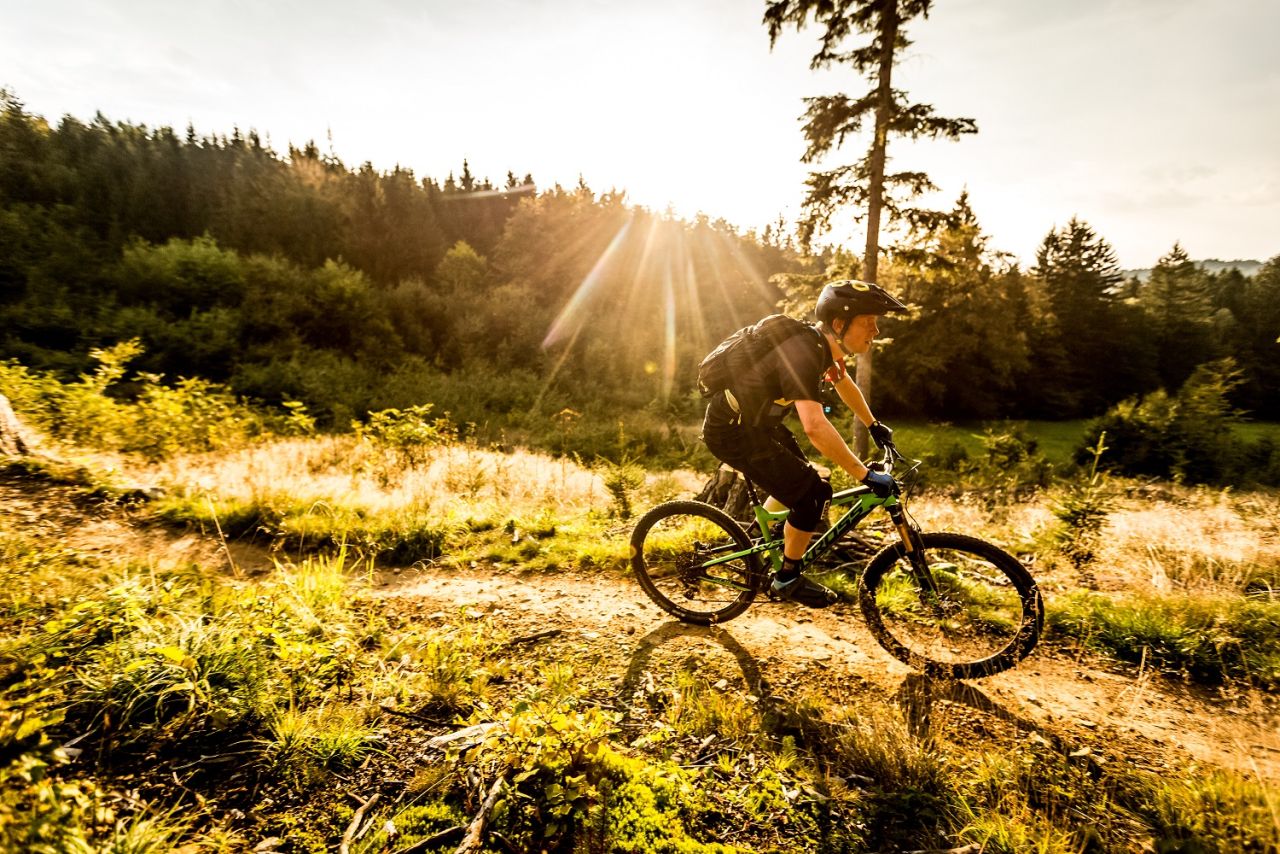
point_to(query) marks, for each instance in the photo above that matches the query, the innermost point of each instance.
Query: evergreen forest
(291, 276)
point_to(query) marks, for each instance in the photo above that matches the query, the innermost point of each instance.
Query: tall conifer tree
(865, 184)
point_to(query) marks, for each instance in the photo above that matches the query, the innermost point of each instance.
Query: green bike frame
(862, 500)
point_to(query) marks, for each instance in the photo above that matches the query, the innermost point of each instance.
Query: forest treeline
(295, 277)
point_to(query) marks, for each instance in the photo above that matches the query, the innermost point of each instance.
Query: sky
(1154, 121)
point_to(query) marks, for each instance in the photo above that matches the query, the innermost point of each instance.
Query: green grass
(1056, 440)
(295, 665)
(1254, 431)
(1210, 639)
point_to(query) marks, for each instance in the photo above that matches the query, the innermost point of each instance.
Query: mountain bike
(950, 605)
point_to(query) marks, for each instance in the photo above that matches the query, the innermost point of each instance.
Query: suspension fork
(914, 547)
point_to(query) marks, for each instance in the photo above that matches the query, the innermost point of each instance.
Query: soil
(1063, 697)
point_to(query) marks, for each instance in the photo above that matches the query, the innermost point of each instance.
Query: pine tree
(960, 354)
(1176, 299)
(1078, 347)
(831, 119)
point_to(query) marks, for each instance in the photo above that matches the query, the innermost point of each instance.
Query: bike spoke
(693, 562)
(953, 607)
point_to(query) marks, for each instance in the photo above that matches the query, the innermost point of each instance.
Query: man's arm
(852, 397)
(827, 439)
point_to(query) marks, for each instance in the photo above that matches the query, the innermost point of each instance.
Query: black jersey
(761, 397)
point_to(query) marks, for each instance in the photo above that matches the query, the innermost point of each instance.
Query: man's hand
(882, 433)
(883, 485)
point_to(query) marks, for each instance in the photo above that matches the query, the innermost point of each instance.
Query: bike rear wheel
(958, 608)
(671, 548)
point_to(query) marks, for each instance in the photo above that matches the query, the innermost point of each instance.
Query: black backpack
(736, 354)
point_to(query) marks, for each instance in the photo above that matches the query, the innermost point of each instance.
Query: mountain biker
(743, 424)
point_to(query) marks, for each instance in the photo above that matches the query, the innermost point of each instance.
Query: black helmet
(850, 297)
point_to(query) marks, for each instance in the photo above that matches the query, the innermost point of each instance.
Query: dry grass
(1184, 540)
(344, 470)
(1195, 541)
(454, 501)
(458, 478)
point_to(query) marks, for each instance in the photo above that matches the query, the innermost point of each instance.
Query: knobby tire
(986, 616)
(668, 547)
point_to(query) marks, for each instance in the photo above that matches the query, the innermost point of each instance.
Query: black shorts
(770, 457)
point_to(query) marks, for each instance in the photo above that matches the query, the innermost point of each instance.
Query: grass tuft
(1208, 639)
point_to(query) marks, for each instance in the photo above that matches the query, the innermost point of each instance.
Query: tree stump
(727, 490)
(14, 441)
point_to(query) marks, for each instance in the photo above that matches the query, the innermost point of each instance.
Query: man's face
(859, 334)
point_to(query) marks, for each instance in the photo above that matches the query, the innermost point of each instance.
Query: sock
(790, 570)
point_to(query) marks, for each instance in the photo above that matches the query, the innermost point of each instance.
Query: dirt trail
(1074, 702)
(1081, 704)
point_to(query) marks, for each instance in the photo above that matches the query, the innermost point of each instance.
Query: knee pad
(805, 515)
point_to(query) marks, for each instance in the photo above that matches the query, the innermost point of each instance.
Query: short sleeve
(800, 367)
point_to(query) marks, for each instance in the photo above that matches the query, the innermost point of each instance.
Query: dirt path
(1071, 701)
(1079, 703)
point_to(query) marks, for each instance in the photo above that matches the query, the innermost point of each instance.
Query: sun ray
(693, 297)
(669, 342)
(708, 250)
(647, 255)
(572, 316)
(747, 266)
(555, 370)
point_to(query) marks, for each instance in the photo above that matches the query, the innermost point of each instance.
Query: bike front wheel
(682, 553)
(954, 607)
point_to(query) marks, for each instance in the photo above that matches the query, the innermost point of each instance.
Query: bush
(409, 434)
(1010, 470)
(190, 415)
(1187, 437)
(1082, 513)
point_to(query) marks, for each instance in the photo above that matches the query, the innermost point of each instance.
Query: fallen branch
(475, 833)
(503, 842)
(477, 732)
(536, 636)
(209, 760)
(344, 847)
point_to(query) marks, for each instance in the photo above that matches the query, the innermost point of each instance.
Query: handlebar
(890, 455)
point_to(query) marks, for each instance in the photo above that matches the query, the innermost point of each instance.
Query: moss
(646, 807)
(412, 824)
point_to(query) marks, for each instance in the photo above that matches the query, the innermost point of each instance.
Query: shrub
(161, 420)
(1010, 470)
(409, 434)
(1187, 436)
(574, 791)
(1082, 513)
(622, 479)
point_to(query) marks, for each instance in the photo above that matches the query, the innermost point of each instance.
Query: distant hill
(1213, 265)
